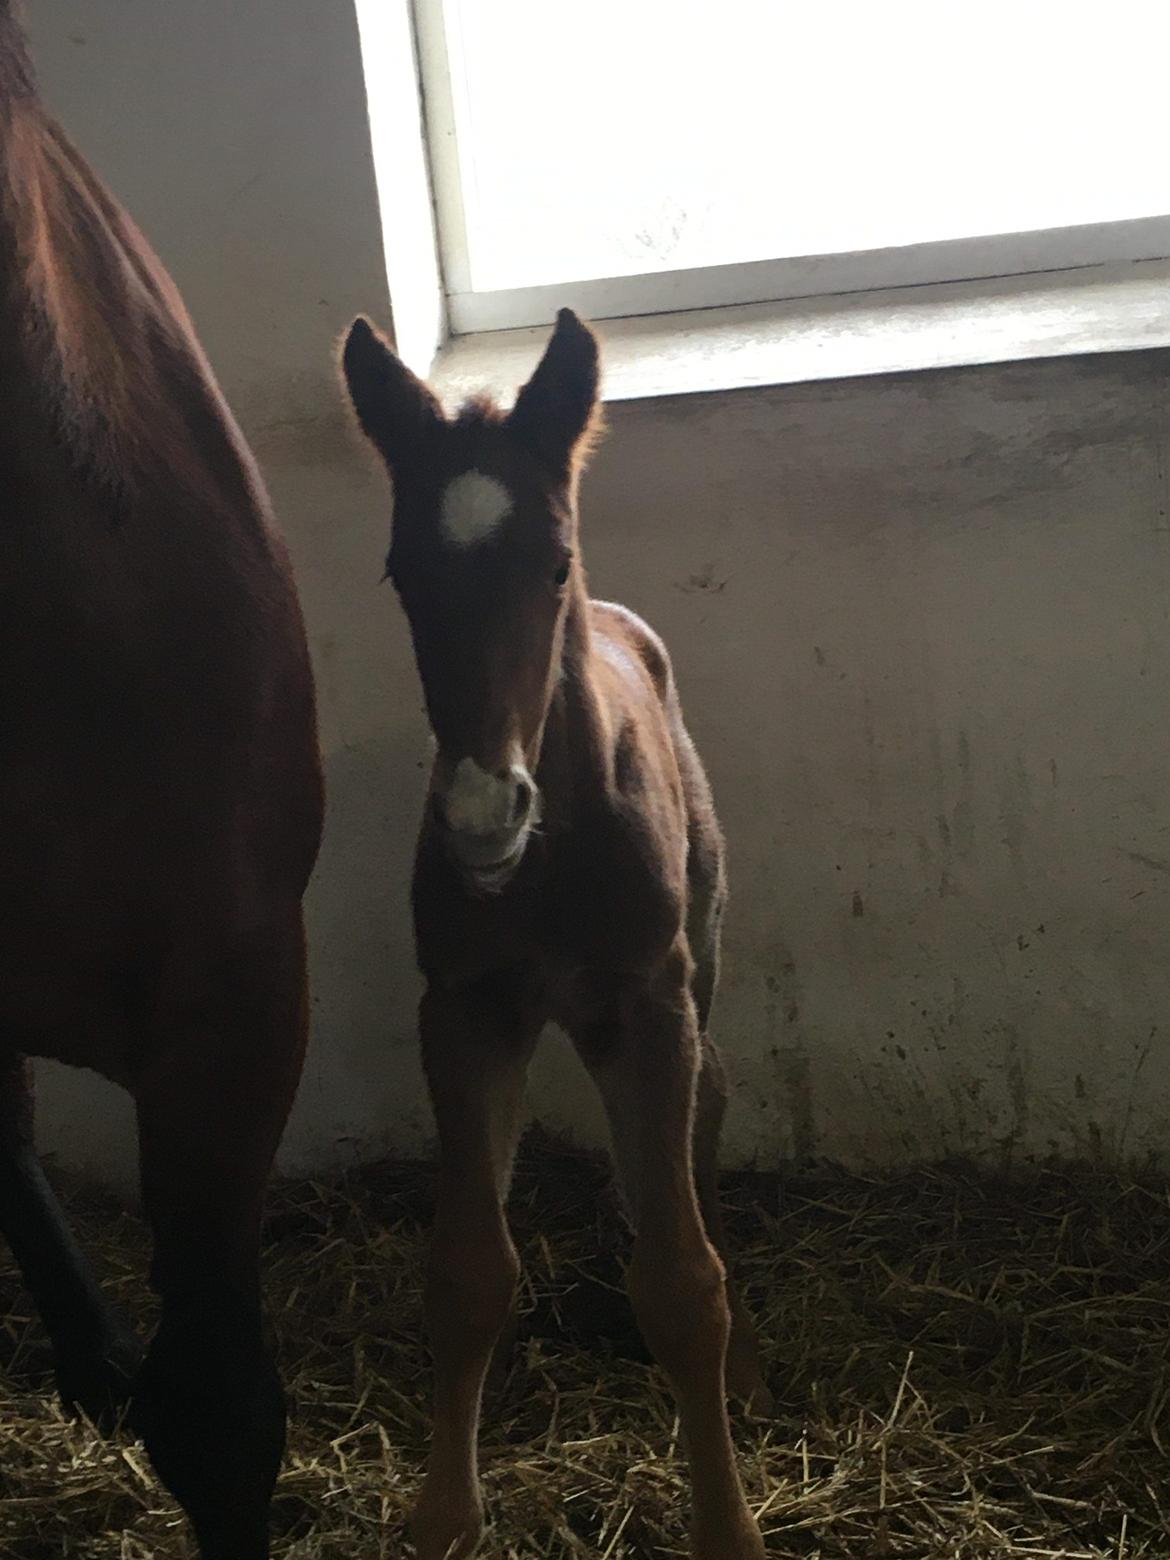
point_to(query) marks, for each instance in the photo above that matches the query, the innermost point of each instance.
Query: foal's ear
(556, 414)
(396, 410)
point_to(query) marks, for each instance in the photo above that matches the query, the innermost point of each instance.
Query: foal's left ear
(556, 414)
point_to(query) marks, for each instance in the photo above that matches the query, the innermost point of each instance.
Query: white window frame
(953, 260)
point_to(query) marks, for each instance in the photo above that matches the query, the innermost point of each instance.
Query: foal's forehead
(472, 507)
(476, 484)
(493, 497)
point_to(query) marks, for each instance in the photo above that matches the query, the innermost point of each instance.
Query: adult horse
(160, 810)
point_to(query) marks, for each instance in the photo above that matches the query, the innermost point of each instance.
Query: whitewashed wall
(920, 627)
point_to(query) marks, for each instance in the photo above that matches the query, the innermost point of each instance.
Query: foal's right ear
(396, 410)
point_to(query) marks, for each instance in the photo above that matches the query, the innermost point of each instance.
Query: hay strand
(968, 1367)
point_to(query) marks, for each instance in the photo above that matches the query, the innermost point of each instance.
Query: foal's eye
(561, 577)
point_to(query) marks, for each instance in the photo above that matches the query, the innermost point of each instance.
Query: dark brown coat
(160, 808)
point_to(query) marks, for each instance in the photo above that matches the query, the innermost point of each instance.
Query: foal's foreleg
(94, 1351)
(211, 1108)
(647, 1069)
(476, 1052)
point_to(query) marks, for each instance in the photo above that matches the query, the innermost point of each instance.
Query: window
(637, 156)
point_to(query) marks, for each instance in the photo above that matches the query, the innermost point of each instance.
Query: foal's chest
(577, 916)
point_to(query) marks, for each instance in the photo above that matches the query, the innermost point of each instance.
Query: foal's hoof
(742, 1541)
(745, 1381)
(757, 1400)
(445, 1532)
(96, 1380)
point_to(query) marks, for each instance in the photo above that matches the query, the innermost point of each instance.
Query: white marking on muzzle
(472, 508)
(478, 803)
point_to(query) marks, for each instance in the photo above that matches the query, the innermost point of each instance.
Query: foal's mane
(481, 412)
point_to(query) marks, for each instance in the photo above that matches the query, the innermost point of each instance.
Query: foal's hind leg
(745, 1378)
(476, 1050)
(211, 1108)
(744, 1375)
(646, 1067)
(94, 1351)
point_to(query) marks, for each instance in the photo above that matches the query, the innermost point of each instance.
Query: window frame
(468, 312)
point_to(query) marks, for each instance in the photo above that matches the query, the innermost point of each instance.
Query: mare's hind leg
(646, 1065)
(211, 1108)
(95, 1354)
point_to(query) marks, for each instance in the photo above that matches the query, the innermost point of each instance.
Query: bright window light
(626, 138)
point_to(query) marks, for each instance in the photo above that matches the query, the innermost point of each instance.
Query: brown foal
(160, 807)
(570, 869)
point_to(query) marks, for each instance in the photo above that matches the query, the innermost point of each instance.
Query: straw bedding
(966, 1367)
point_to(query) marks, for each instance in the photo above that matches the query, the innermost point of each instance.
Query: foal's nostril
(479, 804)
(521, 800)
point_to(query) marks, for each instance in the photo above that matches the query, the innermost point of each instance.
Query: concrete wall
(920, 627)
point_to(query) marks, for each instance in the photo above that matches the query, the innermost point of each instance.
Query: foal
(160, 809)
(570, 868)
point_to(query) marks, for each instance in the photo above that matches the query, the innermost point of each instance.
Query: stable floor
(967, 1368)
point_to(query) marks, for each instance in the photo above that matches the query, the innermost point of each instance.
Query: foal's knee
(680, 1300)
(471, 1288)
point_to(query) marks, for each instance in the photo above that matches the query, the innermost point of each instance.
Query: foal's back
(658, 780)
(158, 772)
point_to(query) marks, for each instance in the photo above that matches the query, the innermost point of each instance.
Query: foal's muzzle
(485, 818)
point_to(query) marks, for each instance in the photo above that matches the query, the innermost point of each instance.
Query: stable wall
(920, 627)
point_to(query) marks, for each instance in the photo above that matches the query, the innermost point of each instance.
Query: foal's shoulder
(626, 631)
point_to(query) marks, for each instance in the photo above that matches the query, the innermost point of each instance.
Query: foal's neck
(576, 763)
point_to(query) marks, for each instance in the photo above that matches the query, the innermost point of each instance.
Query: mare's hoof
(97, 1379)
